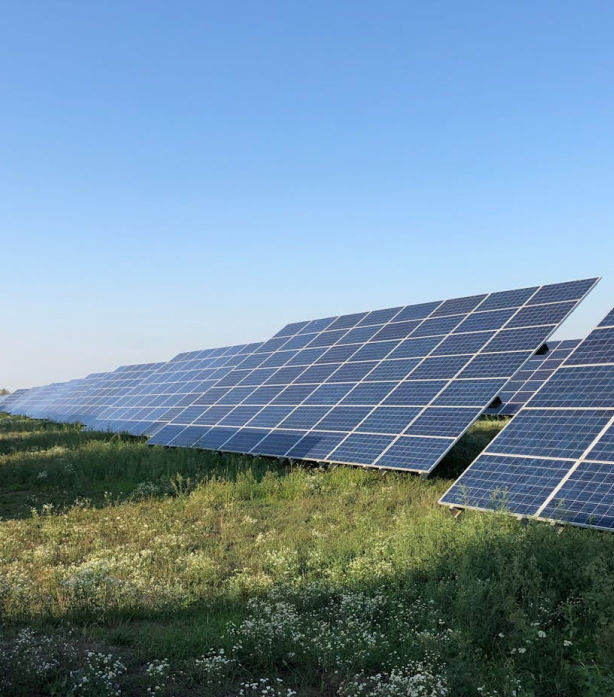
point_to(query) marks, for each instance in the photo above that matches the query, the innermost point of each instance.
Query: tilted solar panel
(24, 405)
(12, 400)
(555, 459)
(108, 392)
(390, 388)
(74, 404)
(163, 393)
(531, 376)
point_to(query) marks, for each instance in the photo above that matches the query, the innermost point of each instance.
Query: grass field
(132, 570)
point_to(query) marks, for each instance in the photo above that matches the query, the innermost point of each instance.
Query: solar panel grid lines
(531, 376)
(74, 405)
(432, 334)
(570, 421)
(109, 392)
(12, 399)
(31, 401)
(440, 312)
(170, 389)
(363, 320)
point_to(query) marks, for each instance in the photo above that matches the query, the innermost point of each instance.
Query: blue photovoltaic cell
(466, 393)
(244, 440)
(412, 348)
(603, 450)
(166, 435)
(519, 339)
(443, 421)
(304, 417)
(462, 343)
(541, 314)
(420, 311)
(212, 415)
(278, 442)
(361, 371)
(484, 321)
(315, 445)
(262, 395)
(558, 292)
(231, 396)
(347, 321)
(352, 372)
(376, 317)
(586, 498)
(532, 375)
(318, 325)
(392, 369)
(389, 420)
(270, 416)
(518, 484)
(459, 305)
(556, 457)
(559, 434)
(176, 383)
(314, 374)
(493, 365)
(412, 452)
(368, 393)
(578, 386)
(342, 419)
(188, 436)
(437, 325)
(511, 298)
(239, 416)
(441, 367)
(215, 437)
(608, 320)
(291, 329)
(330, 393)
(598, 347)
(415, 392)
(360, 448)
(294, 394)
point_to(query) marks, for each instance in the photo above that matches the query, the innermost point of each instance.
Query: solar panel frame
(424, 321)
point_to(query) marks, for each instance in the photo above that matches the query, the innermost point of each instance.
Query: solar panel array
(390, 388)
(10, 400)
(77, 403)
(555, 459)
(33, 401)
(531, 376)
(164, 392)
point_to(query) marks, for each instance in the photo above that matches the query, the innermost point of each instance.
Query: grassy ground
(132, 570)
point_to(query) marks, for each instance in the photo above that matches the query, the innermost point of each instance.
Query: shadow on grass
(59, 466)
(45, 463)
(495, 583)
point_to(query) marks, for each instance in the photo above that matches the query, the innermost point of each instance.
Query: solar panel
(165, 392)
(112, 389)
(369, 388)
(30, 403)
(76, 404)
(555, 459)
(531, 376)
(11, 400)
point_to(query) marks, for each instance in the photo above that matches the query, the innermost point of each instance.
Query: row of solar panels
(392, 388)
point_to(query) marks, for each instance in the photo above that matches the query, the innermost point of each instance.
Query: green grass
(233, 569)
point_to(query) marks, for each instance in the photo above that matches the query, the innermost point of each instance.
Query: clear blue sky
(180, 175)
